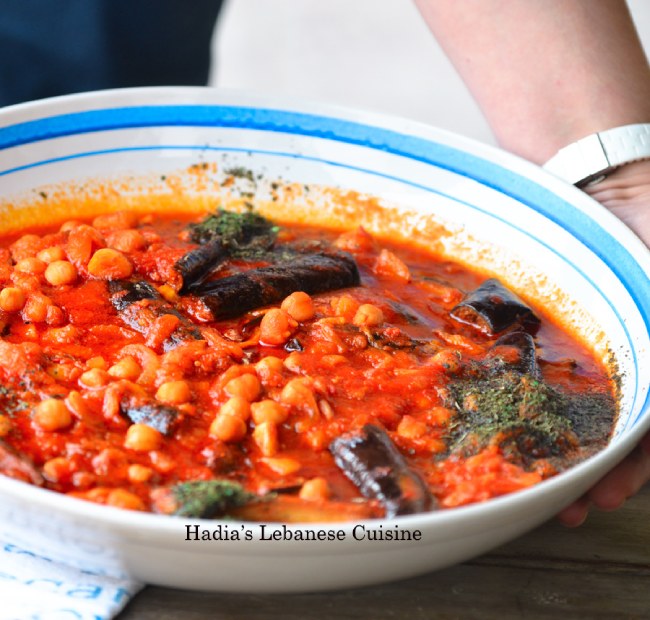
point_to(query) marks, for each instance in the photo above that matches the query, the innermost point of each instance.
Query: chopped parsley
(208, 498)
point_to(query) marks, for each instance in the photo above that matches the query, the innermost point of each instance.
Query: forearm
(545, 72)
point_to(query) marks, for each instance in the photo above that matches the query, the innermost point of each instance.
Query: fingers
(575, 514)
(625, 480)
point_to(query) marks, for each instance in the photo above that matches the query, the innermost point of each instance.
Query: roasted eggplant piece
(153, 414)
(124, 293)
(514, 351)
(372, 462)
(16, 466)
(492, 308)
(139, 305)
(291, 509)
(224, 235)
(198, 264)
(525, 416)
(235, 295)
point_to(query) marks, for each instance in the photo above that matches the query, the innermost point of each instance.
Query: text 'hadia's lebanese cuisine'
(225, 365)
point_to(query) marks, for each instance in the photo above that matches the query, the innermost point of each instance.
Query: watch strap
(590, 159)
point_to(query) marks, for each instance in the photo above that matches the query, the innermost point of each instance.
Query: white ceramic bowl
(546, 235)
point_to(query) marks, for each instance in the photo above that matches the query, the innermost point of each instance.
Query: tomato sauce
(257, 399)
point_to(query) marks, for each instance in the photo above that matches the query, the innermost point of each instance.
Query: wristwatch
(591, 159)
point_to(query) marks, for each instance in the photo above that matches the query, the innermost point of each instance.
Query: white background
(369, 54)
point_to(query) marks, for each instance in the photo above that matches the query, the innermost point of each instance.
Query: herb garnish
(10, 402)
(234, 229)
(208, 498)
(510, 407)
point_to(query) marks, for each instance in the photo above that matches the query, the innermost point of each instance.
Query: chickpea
(174, 392)
(94, 378)
(411, 428)
(295, 392)
(54, 316)
(52, 415)
(109, 264)
(12, 299)
(344, 306)
(276, 327)
(76, 404)
(284, 466)
(228, 428)
(236, 406)
(315, 489)
(142, 438)
(33, 266)
(293, 361)
(83, 479)
(29, 284)
(299, 306)
(49, 255)
(5, 424)
(267, 364)
(246, 386)
(139, 473)
(163, 463)
(35, 308)
(447, 359)
(69, 225)
(265, 436)
(116, 220)
(269, 370)
(298, 393)
(127, 368)
(56, 468)
(25, 247)
(368, 315)
(268, 411)
(127, 241)
(121, 498)
(63, 335)
(96, 362)
(60, 272)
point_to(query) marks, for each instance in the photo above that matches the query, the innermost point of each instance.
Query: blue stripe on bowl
(535, 196)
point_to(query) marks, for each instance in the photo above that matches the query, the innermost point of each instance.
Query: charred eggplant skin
(124, 293)
(320, 272)
(139, 304)
(222, 235)
(156, 415)
(196, 266)
(493, 308)
(373, 463)
(525, 358)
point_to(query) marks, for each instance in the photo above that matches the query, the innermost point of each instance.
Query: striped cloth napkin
(33, 587)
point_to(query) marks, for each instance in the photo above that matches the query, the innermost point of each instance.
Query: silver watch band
(591, 158)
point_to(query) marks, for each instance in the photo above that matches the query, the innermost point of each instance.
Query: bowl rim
(24, 124)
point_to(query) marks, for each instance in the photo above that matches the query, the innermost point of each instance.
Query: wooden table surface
(600, 570)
